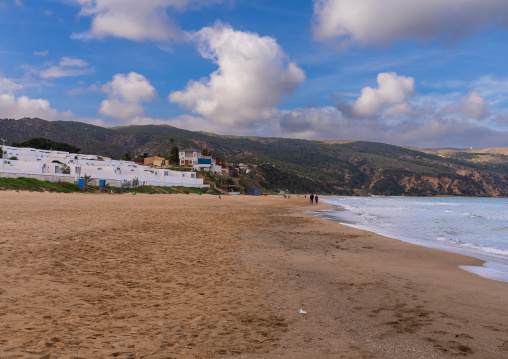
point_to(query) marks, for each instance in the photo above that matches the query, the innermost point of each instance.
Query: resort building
(69, 167)
(189, 156)
(192, 157)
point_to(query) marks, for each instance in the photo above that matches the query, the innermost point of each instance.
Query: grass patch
(169, 190)
(188, 190)
(144, 189)
(32, 184)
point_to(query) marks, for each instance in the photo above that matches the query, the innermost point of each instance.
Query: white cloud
(119, 109)
(12, 106)
(71, 62)
(381, 22)
(23, 106)
(67, 67)
(125, 94)
(389, 115)
(392, 90)
(134, 19)
(253, 76)
(41, 53)
(473, 105)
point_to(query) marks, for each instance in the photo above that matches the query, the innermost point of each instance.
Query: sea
(477, 227)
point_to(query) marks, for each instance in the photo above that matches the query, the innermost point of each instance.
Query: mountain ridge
(328, 167)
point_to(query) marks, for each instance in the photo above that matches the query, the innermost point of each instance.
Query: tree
(47, 144)
(207, 152)
(127, 156)
(174, 155)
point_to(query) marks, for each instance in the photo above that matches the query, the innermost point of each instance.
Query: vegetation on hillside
(332, 167)
(47, 144)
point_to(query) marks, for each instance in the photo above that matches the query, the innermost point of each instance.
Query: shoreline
(189, 276)
(494, 266)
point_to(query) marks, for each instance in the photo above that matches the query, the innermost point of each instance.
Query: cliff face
(425, 185)
(465, 183)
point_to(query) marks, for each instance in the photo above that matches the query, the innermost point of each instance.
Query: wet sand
(188, 276)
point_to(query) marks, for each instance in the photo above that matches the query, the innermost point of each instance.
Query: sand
(188, 276)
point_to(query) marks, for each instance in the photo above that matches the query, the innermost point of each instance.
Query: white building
(69, 167)
(189, 156)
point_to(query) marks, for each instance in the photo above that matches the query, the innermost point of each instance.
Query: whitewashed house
(189, 156)
(69, 167)
(192, 157)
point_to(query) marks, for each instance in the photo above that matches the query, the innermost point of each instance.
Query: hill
(301, 166)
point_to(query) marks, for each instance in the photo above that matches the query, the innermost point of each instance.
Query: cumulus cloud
(392, 90)
(23, 106)
(392, 114)
(472, 105)
(134, 19)
(125, 95)
(253, 76)
(381, 22)
(68, 66)
(13, 106)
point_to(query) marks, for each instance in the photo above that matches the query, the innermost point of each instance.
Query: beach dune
(188, 276)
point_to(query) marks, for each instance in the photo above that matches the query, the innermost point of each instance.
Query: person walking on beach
(312, 198)
(316, 198)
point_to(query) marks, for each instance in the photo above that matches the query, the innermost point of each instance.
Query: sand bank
(188, 276)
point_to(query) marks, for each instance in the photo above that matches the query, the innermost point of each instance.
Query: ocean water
(477, 227)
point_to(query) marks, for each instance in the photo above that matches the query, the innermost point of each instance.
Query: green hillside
(330, 167)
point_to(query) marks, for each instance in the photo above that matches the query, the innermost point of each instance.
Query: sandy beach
(189, 276)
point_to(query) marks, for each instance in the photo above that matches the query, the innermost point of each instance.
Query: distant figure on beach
(311, 198)
(316, 198)
(220, 197)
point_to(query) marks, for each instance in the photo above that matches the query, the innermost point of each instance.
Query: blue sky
(406, 72)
